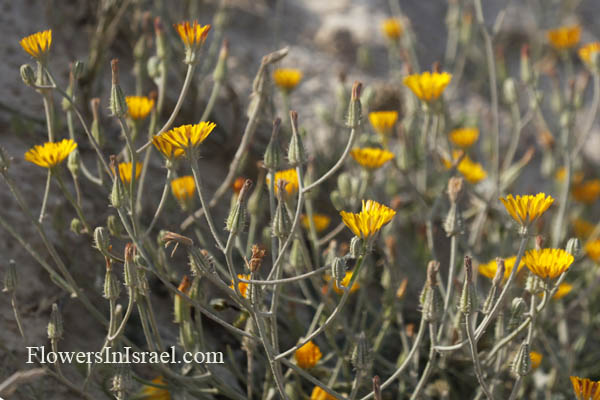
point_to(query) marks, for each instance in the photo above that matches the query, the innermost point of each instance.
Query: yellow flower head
(471, 170)
(526, 209)
(489, 269)
(564, 37)
(242, 286)
(308, 355)
(383, 121)
(188, 137)
(156, 393)
(320, 394)
(166, 148)
(536, 359)
(192, 34)
(139, 107)
(287, 78)
(428, 86)
(587, 192)
(585, 389)
(592, 249)
(125, 171)
(563, 290)
(321, 222)
(548, 263)
(582, 228)
(369, 221)
(588, 52)
(345, 282)
(290, 176)
(50, 154)
(183, 188)
(371, 157)
(464, 137)
(38, 44)
(392, 28)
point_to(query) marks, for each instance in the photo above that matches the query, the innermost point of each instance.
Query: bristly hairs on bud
(281, 221)
(272, 157)
(118, 105)
(237, 217)
(130, 268)
(296, 152)
(361, 356)
(112, 287)
(467, 297)
(430, 300)
(522, 363)
(354, 109)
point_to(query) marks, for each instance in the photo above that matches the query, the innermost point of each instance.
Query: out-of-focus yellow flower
(156, 393)
(585, 389)
(320, 394)
(392, 28)
(321, 222)
(428, 86)
(166, 148)
(587, 192)
(287, 78)
(536, 359)
(563, 290)
(582, 228)
(183, 189)
(242, 286)
(125, 171)
(471, 170)
(370, 220)
(561, 173)
(548, 263)
(290, 176)
(50, 154)
(464, 137)
(188, 137)
(38, 44)
(564, 37)
(308, 355)
(371, 157)
(489, 269)
(192, 34)
(526, 209)
(345, 282)
(592, 249)
(139, 107)
(383, 121)
(588, 52)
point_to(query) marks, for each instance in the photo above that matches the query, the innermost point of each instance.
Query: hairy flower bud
(28, 75)
(112, 287)
(338, 270)
(73, 162)
(522, 363)
(467, 298)
(96, 129)
(114, 225)
(336, 200)
(517, 309)
(118, 105)
(281, 221)
(130, 267)
(356, 246)
(55, 326)
(296, 152)
(237, 217)
(574, 248)
(361, 357)
(272, 157)
(76, 226)
(181, 308)
(102, 240)
(296, 258)
(354, 109)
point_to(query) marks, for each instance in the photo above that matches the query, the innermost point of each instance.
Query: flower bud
(272, 157)
(281, 221)
(114, 225)
(117, 195)
(361, 356)
(76, 226)
(118, 105)
(467, 298)
(96, 129)
(534, 284)
(500, 270)
(102, 240)
(431, 302)
(338, 270)
(526, 75)
(220, 73)
(73, 162)
(296, 258)
(510, 91)
(455, 186)
(336, 200)
(574, 248)
(130, 267)
(28, 75)
(181, 308)
(55, 326)
(237, 217)
(522, 363)
(345, 186)
(112, 286)
(517, 309)
(354, 109)
(296, 152)
(356, 245)
(11, 278)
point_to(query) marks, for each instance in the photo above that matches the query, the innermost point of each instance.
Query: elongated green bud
(466, 298)
(281, 221)
(574, 248)
(354, 109)
(517, 309)
(237, 217)
(112, 286)
(102, 240)
(27, 75)
(296, 152)
(356, 247)
(73, 162)
(181, 308)
(431, 302)
(272, 158)
(118, 105)
(55, 326)
(361, 357)
(338, 270)
(76, 226)
(4, 160)
(220, 73)
(11, 278)
(130, 268)
(96, 129)
(522, 364)
(296, 259)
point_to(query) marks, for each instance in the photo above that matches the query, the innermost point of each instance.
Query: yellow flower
(383, 121)
(471, 170)
(369, 221)
(308, 355)
(192, 34)
(321, 222)
(582, 228)
(563, 290)
(561, 173)
(564, 37)
(526, 209)
(320, 394)
(50, 154)
(489, 269)
(536, 359)
(464, 137)
(38, 44)
(345, 282)
(166, 148)
(125, 171)
(548, 263)
(592, 249)
(183, 188)
(588, 52)
(290, 176)
(585, 389)
(156, 393)
(242, 286)
(139, 107)
(392, 28)
(287, 78)
(428, 86)
(371, 157)
(188, 137)
(587, 192)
